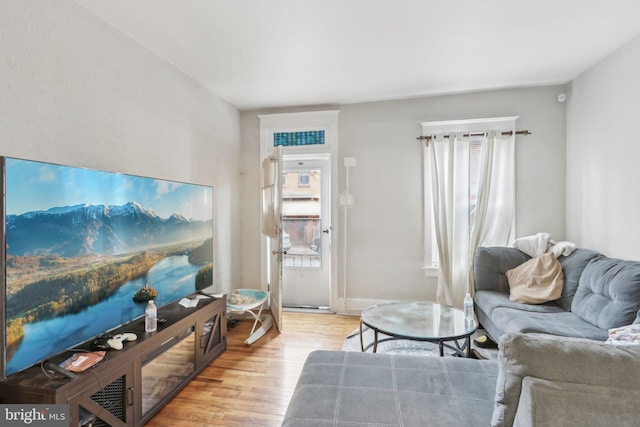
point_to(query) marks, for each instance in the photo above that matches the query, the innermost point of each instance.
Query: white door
(306, 222)
(272, 208)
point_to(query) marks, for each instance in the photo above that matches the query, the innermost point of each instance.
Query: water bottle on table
(468, 307)
(151, 317)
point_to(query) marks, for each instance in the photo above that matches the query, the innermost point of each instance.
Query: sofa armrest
(560, 359)
(555, 403)
(490, 264)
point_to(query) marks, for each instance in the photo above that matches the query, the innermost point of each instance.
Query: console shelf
(131, 385)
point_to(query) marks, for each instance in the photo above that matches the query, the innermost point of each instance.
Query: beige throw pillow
(536, 281)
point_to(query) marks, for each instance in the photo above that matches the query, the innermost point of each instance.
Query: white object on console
(116, 342)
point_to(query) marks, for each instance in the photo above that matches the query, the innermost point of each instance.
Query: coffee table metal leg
(361, 342)
(375, 341)
(441, 348)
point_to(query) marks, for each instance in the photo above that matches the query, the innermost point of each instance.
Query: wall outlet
(350, 162)
(346, 199)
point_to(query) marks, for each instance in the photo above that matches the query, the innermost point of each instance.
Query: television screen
(83, 248)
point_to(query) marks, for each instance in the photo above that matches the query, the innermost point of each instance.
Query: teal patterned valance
(289, 139)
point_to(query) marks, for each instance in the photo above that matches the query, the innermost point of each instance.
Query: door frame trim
(297, 122)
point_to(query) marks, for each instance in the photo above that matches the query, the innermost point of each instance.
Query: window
(303, 179)
(475, 147)
(288, 139)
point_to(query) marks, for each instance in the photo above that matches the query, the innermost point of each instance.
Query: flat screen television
(79, 244)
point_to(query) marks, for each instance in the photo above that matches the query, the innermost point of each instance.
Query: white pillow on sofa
(536, 281)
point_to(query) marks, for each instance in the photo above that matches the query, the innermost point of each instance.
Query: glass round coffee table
(419, 321)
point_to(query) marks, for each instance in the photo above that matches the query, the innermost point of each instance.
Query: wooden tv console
(131, 385)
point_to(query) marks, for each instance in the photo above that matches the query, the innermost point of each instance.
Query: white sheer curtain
(269, 227)
(473, 200)
(271, 197)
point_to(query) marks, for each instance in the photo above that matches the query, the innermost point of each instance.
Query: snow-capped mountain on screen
(70, 231)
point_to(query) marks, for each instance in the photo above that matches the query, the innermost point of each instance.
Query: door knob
(326, 231)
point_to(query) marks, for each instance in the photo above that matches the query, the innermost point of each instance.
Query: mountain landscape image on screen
(80, 230)
(72, 269)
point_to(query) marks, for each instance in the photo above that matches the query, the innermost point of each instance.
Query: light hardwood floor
(251, 385)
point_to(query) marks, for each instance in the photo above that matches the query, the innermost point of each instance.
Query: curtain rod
(508, 132)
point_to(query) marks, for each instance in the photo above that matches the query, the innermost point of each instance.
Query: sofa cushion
(490, 264)
(563, 323)
(548, 403)
(608, 295)
(572, 267)
(349, 388)
(488, 301)
(560, 359)
(536, 281)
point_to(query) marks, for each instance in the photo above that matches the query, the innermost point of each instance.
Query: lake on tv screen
(172, 277)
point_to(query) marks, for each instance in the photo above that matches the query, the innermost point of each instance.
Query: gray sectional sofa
(599, 293)
(539, 380)
(553, 367)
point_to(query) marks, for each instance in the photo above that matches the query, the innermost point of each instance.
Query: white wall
(75, 91)
(385, 224)
(603, 152)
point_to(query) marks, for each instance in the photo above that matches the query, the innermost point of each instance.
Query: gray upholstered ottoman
(350, 389)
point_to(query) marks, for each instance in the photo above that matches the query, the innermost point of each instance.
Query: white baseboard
(354, 306)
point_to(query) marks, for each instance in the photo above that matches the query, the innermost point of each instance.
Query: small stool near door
(241, 301)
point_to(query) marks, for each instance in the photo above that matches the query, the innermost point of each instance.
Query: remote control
(100, 343)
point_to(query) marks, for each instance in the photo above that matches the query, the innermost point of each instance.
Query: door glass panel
(301, 219)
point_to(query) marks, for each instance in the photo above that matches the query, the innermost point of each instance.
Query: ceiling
(274, 53)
